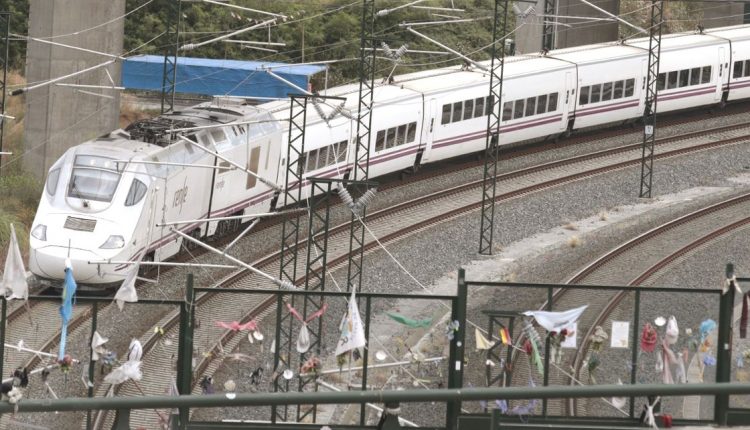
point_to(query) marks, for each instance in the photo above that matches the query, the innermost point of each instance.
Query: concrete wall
(60, 117)
(529, 37)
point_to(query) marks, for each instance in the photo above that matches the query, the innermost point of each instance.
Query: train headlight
(40, 232)
(113, 242)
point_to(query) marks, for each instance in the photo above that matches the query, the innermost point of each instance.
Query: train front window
(93, 178)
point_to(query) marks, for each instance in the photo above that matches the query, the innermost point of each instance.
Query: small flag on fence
(504, 336)
(352, 330)
(66, 309)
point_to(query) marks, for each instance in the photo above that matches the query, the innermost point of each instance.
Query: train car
(116, 196)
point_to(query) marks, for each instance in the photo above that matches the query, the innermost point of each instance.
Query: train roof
(736, 32)
(596, 53)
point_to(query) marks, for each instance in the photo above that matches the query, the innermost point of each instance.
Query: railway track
(388, 225)
(634, 262)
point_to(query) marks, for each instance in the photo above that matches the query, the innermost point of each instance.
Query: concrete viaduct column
(60, 117)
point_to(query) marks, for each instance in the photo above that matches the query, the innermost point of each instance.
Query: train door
(723, 76)
(428, 127)
(568, 106)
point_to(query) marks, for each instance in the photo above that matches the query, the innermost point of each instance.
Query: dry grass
(130, 113)
(603, 216)
(570, 226)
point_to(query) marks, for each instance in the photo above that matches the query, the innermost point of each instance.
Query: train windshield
(94, 178)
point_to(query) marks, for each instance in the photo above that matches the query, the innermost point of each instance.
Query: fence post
(185, 350)
(456, 359)
(94, 312)
(724, 346)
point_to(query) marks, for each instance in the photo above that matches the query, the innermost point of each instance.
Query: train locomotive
(110, 198)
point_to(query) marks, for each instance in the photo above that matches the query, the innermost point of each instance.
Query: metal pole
(356, 397)
(4, 325)
(185, 349)
(361, 166)
(172, 36)
(724, 347)
(494, 102)
(94, 314)
(546, 352)
(4, 49)
(365, 358)
(548, 26)
(456, 361)
(649, 112)
(636, 344)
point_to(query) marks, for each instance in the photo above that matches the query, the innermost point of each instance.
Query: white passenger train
(103, 198)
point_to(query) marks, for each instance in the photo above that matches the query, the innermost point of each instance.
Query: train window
(617, 93)
(695, 76)
(136, 193)
(671, 80)
(341, 154)
(507, 111)
(706, 75)
(218, 135)
(583, 97)
(322, 157)
(478, 107)
(552, 104)
(684, 77)
(203, 140)
(457, 111)
(596, 92)
(411, 132)
(737, 72)
(390, 138)
(446, 114)
(52, 179)
(530, 106)
(518, 109)
(380, 140)
(401, 136)
(629, 87)
(252, 165)
(541, 104)
(607, 91)
(468, 109)
(747, 68)
(661, 81)
(312, 160)
(490, 100)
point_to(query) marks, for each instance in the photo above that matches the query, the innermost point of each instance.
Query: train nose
(49, 261)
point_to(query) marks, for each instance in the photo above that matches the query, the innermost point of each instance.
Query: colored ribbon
(648, 338)
(311, 317)
(408, 321)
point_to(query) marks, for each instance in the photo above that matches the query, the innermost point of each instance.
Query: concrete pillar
(529, 37)
(60, 117)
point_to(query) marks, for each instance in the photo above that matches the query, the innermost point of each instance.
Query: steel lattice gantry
(4, 50)
(173, 10)
(499, 26)
(292, 198)
(649, 111)
(360, 169)
(548, 25)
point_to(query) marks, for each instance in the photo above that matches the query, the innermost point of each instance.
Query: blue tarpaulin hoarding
(217, 77)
